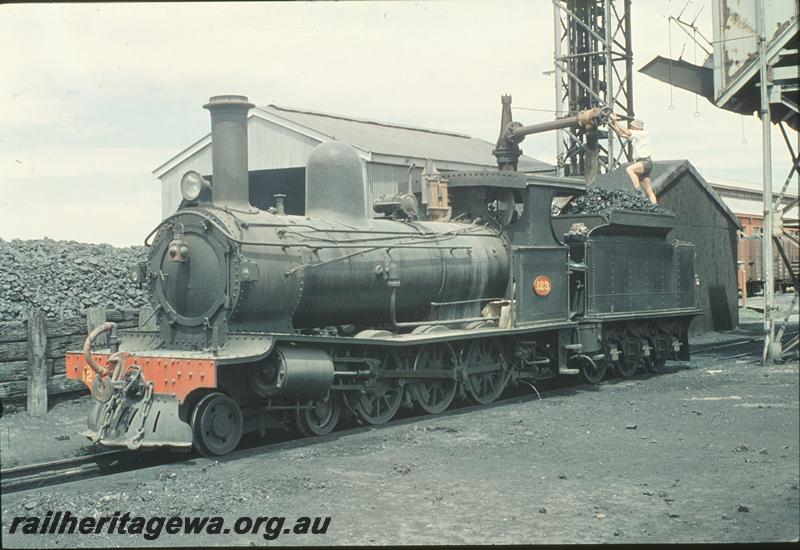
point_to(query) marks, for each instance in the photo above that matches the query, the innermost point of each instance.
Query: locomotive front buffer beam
(137, 403)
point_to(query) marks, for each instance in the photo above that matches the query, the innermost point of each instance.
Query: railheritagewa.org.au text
(151, 528)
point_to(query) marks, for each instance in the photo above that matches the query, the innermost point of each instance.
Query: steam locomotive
(266, 320)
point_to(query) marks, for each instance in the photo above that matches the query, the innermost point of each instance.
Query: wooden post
(37, 363)
(96, 316)
(741, 275)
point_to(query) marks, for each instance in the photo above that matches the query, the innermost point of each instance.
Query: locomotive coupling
(123, 411)
(138, 398)
(135, 416)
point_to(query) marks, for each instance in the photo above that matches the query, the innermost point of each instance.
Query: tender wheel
(659, 364)
(648, 361)
(612, 346)
(627, 365)
(593, 372)
(654, 364)
(381, 401)
(217, 424)
(434, 395)
(486, 371)
(320, 418)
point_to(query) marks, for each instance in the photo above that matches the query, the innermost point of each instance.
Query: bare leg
(633, 172)
(648, 189)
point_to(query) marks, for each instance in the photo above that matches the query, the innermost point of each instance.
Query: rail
(59, 471)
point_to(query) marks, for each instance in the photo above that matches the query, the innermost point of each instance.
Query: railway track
(709, 348)
(33, 475)
(23, 478)
(56, 472)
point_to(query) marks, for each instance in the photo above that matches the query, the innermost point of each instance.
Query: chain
(147, 404)
(744, 138)
(696, 96)
(114, 409)
(108, 413)
(669, 34)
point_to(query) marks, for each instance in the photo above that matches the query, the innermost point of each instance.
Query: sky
(95, 96)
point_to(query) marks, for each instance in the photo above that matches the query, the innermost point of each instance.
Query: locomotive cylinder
(293, 372)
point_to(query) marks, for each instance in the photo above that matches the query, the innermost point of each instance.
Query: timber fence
(32, 363)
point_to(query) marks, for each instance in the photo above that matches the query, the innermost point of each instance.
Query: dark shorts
(647, 163)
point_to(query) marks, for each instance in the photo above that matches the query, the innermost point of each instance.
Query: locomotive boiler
(267, 320)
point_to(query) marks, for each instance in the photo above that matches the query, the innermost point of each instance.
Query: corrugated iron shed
(281, 138)
(393, 141)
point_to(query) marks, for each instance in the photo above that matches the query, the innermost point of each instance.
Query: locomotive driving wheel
(486, 370)
(320, 416)
(434, 395)
(217, 424)
(381, 401)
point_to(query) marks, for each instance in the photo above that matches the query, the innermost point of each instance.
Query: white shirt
(641, 144)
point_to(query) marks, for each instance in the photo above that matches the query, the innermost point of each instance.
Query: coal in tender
(64, 278)
(597, 200)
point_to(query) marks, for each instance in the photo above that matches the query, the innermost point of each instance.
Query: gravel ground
(63, 278)
(56, 435)
(706, 452)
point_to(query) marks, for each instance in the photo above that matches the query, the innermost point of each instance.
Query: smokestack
(229, 150)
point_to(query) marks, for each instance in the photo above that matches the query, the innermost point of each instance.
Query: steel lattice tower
(593, 68)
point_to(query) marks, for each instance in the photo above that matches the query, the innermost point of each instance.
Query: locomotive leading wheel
(320, 418)
(486, 371)
(381, 401)
(434, 395)
(217, 424)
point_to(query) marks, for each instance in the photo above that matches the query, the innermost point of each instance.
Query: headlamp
(192, 184)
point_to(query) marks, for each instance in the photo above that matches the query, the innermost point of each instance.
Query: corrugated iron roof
(400, 140)
(724, 184)
(380, 138)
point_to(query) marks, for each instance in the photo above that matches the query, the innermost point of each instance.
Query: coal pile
(64, 278)
(597, 200)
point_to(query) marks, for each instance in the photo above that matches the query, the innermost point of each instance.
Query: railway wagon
(266, 320)
(751, 254)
